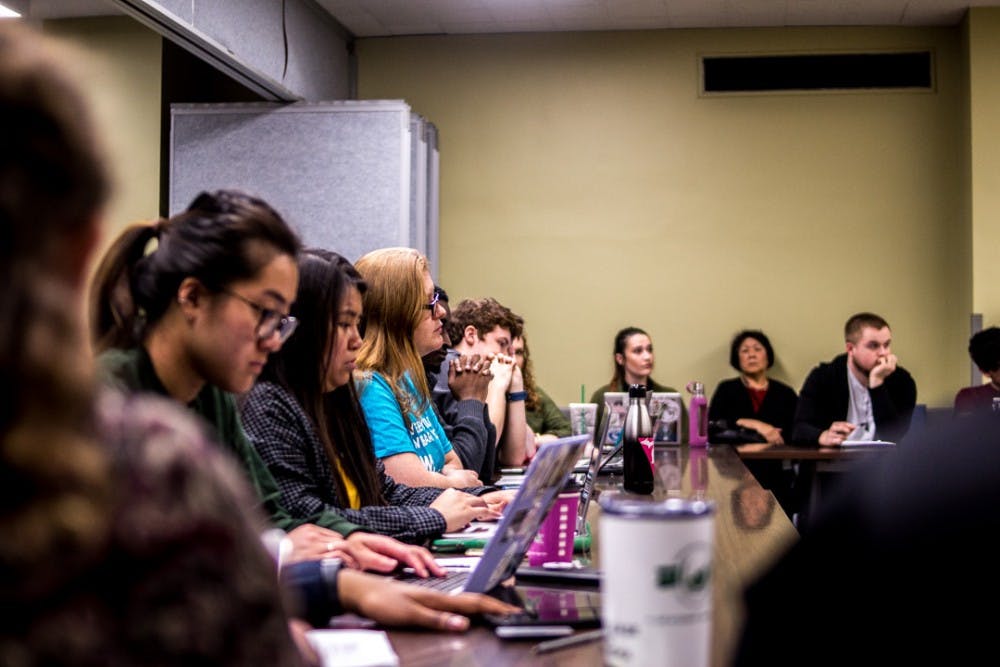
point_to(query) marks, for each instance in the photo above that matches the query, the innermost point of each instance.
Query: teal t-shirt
(424, 436)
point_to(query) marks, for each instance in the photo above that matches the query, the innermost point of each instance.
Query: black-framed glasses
(271, 321)
(434, 302)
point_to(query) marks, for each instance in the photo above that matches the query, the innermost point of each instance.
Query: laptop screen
(544, 479)
(587, 492)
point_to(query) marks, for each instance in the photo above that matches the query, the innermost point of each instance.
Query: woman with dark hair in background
(756, 408)
(304, 418)
(633, 359)
(762, 405)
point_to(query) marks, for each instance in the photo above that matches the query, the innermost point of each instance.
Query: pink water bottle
(697, 415)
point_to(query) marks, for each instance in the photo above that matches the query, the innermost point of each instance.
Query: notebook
(503, 553)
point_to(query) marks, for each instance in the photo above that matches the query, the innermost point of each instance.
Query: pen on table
(564, 642)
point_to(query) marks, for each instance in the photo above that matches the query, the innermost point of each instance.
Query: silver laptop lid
(544, 479)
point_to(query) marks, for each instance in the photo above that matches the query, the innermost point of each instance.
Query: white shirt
(859, 409)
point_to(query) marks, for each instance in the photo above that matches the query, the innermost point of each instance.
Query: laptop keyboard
(452, 580)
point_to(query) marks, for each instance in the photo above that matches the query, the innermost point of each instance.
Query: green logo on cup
(691, 574)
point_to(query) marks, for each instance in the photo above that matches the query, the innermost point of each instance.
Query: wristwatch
(516, 396)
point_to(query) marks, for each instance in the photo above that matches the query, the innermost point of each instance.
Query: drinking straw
(582, 399)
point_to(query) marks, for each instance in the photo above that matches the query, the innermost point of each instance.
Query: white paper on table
(475, 529)
(867, 443)
(353, 648)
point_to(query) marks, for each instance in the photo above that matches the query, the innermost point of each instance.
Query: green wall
(984, 103)
(588, 185)
(122, 76)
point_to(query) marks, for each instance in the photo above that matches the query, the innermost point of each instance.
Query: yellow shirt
(352, 490)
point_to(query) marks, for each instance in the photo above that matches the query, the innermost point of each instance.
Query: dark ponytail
(222, 237)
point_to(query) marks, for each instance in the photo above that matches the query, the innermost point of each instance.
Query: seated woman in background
(304, 418)
(545, 419)
(190, 308)
(984, 349)
(753, 401)
(756, 408)
(633, 361)
(403, 323)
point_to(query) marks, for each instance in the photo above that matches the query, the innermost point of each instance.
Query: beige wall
(586, 184)
(984, 102)
(123, 79)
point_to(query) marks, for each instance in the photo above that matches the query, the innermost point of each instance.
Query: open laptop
(478, 533)
(573, 573)
(544, 479)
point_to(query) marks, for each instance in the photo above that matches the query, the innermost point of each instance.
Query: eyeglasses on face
(434, 301)
(270, 322)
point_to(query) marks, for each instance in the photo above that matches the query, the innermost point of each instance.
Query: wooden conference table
(750, 531)
(813, 465)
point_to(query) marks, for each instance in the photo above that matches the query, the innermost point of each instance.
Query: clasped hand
(469, 376)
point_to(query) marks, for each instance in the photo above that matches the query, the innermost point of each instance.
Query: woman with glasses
(304, 418)
(402, 324)
(190, 307)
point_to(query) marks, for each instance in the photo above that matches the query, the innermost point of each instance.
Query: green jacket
(132, 371)
(548, 418)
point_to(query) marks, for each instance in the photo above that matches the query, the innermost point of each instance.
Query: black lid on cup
(637, 391)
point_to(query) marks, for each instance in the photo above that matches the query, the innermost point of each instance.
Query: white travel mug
(656, 591)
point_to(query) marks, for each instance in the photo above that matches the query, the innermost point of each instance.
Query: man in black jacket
(860, 395)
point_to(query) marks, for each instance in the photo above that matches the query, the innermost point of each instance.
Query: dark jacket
(731, 401)
(825, 398)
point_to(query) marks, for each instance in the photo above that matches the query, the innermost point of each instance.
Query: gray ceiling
(372, 18)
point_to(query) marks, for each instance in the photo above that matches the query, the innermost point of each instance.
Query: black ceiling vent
(841, 71)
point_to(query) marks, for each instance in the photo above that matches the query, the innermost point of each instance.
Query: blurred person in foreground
(895, 566)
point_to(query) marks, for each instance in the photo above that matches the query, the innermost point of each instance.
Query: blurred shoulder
(167, 460)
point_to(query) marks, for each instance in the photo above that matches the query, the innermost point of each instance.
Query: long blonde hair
(394, 307)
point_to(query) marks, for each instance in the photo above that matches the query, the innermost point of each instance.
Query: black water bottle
(637, 443)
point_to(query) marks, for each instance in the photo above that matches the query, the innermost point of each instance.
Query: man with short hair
(860, 395)
(487, 328)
